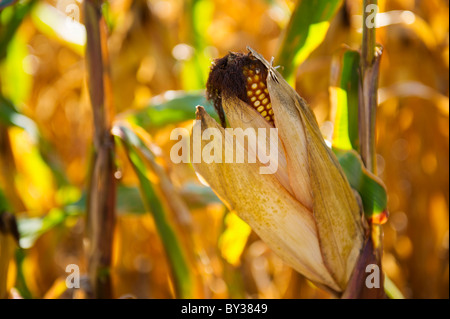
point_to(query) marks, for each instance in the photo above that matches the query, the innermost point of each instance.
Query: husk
(335, 208)
(241, 115)
(278, 218)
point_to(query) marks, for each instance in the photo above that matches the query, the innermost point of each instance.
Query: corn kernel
(257, 92)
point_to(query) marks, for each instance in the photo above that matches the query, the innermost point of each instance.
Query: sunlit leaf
(35, 178)
(10, 116)
(57, 25)
(17, 71)
(177, 259)
(170, 108)
(196, 62)
(106, 13)
(31, 229)
(391, 289)
(57, 289)
(306, 30)
(344, 100)
(370, 188)
(233, 239)
(409, 21)
(10, 20)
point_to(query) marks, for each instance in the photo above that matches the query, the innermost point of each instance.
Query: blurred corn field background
(159, 55)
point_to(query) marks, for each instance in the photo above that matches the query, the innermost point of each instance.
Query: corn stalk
(368, 102)
(102, 184)
(371, 56)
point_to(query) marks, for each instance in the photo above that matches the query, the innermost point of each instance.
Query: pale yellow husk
(306, 212)
(336, 211)
(260, 200)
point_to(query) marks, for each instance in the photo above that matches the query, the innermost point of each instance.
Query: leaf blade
(371, 189)
(171, 107)
(344, 101)
(307, 28)
(181, 272)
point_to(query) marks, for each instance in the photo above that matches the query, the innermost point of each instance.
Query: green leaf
(10, 117)
(391, 289)
(370, 188)
(31, 229)
(195, 65)
(307, 28)
(177, 260)
(4, 204)
(345, 99)
(21, 282)
(10, 20)
(170, 108)
(16, 75)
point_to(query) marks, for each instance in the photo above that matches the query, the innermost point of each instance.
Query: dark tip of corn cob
(240, 75)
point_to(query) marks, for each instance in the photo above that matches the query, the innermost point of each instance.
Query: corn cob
(243, 76)
(257, 92)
